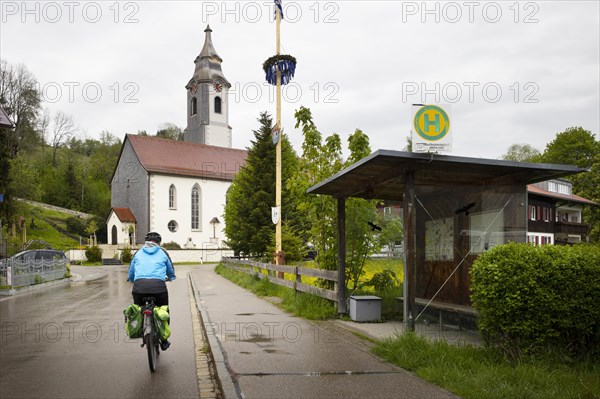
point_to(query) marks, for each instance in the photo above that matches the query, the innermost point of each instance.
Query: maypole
(279, 70)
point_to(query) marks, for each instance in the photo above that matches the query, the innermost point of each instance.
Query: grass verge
(482, 373)
(299, 304)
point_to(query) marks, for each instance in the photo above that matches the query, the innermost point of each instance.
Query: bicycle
(150, 338)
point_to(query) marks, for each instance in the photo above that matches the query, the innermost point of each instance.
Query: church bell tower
(207, 99)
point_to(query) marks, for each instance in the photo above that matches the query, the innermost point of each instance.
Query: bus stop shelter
(454, 208)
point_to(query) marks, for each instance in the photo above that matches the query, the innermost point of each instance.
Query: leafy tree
(409, 144)
(391, 233)
(522, 153)
(577, 146)
(574, 146)
(25, 179)
(249, 228)
(63, 128)
(319, 161)
(169, 131)
(21, 100)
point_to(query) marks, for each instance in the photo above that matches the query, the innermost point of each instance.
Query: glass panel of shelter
(454, 226)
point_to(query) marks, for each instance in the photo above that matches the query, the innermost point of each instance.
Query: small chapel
(178, 188)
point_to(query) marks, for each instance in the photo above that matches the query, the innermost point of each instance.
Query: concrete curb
(229, 388)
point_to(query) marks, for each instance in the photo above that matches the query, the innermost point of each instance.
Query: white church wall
(212, 203)
(218, 132)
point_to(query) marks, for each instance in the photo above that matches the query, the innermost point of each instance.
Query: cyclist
(149, 268)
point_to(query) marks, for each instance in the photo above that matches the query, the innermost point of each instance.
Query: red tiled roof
(124, 215)
(533, 189)
(187, 159)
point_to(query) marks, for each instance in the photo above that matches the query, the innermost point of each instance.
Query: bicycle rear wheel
(151, 341)
(152, 353)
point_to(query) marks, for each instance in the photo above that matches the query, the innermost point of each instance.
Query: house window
(217, 105)
(547, 214)
(196, 203)
(552, 186)
(172, 197)
(564, 189)
(194, 109)
(173, 226)
(387, 212)
(532, 212)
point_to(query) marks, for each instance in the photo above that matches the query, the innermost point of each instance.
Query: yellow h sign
(431, 123)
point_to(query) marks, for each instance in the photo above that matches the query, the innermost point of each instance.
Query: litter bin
(365, 308)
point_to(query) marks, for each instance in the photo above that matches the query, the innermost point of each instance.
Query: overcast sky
(511, 72)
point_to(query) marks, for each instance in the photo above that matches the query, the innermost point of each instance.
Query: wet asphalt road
(69, 341)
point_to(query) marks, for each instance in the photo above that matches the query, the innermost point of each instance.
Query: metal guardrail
(17, 273)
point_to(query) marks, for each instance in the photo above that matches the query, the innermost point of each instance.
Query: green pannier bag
(161, 315)
(133, 321)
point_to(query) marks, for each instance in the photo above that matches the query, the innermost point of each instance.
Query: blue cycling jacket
(151, 262)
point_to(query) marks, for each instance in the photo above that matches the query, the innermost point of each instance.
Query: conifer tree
(249, 228)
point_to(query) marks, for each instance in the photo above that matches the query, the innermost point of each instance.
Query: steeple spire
(209, 50)
(208, 63)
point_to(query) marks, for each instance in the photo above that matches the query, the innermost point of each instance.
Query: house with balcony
(555, 214)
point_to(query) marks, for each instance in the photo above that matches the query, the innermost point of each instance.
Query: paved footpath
(263, 352)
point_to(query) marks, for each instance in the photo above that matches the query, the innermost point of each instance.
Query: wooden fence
(258, 268)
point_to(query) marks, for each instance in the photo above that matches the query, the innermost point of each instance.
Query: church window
(196, 203)
(172, 197)
(173, 226)
(217, 105)
(194, 109)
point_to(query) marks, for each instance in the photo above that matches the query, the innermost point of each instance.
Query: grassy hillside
(48, 225)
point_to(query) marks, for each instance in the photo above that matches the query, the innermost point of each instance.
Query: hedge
(535, 299)
(93, 254)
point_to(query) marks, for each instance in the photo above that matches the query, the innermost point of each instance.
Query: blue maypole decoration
(284, 63)
(279, 7)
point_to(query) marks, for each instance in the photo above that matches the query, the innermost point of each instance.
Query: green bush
(535, 300)
(384, 280)
(126, 255)
(93, 254)
(171, 245)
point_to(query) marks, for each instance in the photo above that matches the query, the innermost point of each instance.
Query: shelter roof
(381, 174)
(187, 159)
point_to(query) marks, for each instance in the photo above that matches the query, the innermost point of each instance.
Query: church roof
(187, 159)
(124, 215)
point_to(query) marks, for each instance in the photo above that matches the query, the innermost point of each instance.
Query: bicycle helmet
(154, 237)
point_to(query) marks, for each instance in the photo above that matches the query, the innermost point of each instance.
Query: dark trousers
(159, 299)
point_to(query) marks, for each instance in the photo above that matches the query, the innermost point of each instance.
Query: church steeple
(207, 94)
(208, 62)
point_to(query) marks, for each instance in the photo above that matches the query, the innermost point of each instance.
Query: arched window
(196, 206)
(217, 105)
(172, 197)
(194, 109)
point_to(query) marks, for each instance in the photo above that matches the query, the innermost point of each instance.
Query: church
(178, 188)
